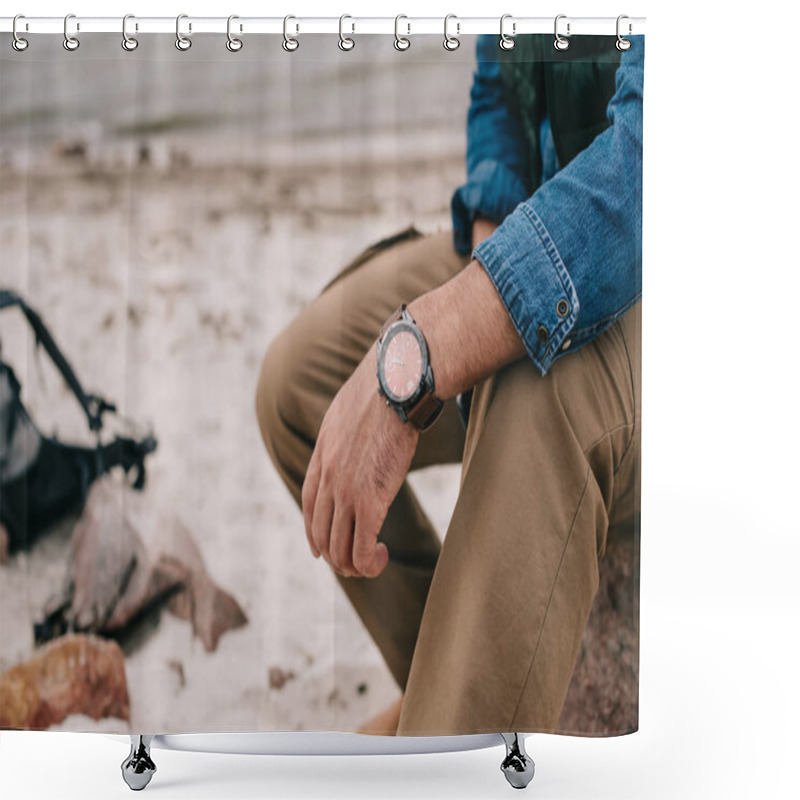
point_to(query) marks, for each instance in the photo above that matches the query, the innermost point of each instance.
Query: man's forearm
(363, 451)
(468, 329)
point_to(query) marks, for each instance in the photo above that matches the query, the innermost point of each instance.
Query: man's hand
(361, 458)
(364, 451)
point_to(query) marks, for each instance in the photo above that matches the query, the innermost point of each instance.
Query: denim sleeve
(567, 262)
(497, 154)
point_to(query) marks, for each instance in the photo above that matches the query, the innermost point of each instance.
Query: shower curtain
(221, 510)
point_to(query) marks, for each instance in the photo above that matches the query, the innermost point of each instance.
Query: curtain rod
(406, 26)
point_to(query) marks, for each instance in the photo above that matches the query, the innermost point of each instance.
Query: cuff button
(543, 335)
(562, 308)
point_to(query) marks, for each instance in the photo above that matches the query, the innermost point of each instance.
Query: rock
(112, 579)
(73, 149)
(603, 694)
(148, 585)
(211, 609)
(104, 552)
(74, 674)
(177, 666)
(278, 678)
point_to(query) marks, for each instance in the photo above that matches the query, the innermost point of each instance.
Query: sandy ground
(164, 278)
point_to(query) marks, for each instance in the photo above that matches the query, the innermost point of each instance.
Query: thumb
(379, 561)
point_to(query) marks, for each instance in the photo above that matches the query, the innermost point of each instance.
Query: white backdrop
(720, 604)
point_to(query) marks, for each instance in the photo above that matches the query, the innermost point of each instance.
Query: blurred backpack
(41, 478)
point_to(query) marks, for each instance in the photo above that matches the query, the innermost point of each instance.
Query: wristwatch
(405, 377)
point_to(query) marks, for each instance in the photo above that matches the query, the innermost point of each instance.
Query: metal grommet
(129, 43)
(233, 44)
(17, 42)
(182, 42)
(507, 42)
(562, 308)
(451, 42)
(290, 43)
(345, 42)
(560, 42)
(401, 42)
(622, 43)
(70, 42)
(543, 335)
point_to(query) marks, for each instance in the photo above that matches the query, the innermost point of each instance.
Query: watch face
(402, 364)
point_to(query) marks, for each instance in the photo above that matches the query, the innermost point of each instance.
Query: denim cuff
(492, 190)
(526, 268)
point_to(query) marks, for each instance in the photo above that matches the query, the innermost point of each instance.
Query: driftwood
(75, 674)
(112, 580)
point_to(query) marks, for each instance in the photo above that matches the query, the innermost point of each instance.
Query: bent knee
(275, 394)
(295, 384)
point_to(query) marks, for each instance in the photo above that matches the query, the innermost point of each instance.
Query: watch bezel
(394, 329)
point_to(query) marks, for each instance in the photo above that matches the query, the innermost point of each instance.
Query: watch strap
(425, 412)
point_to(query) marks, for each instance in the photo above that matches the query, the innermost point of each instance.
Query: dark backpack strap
(94, 407)
(127, 453)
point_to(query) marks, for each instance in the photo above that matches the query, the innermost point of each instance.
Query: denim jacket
(566, 260)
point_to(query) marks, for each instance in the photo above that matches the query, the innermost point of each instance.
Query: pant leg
(301, 372)
(549, 464)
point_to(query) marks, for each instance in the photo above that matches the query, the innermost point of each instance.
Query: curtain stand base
(138, 768)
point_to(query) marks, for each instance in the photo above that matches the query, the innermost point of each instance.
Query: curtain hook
(507, 42)
(622, 43)
(70, 42)
(233, 44)
(401, 42)
(181, 42)
(290, 43)
(17, 42)
(345, 42)
(451, 42)
(560, 42)
(129, 43)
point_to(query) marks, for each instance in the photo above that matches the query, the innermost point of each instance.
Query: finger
(323, 516)
(379, 561)
(369, 556)
(341, 544)
(309, 498)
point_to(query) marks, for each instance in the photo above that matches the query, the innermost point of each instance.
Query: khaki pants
(482, 630)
